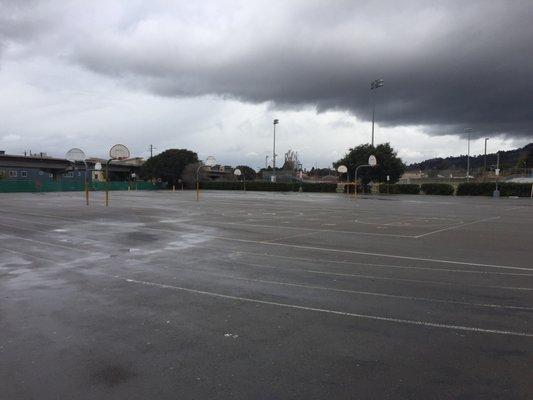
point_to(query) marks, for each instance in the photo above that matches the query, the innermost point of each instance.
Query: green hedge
(486, 189)
(408, 188)
(16, 186)
(444, 189)
(270, 187)
(53, 186)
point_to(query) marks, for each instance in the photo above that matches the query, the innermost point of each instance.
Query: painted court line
(328, 311)
(20, 253)
(382, 278)
(349, 291)
(309, 229)
(457, 226)
(73, 248)
(466, 271)
(325, 249)
(292, 236)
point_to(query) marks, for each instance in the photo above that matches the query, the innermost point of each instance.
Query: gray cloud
(447, 65)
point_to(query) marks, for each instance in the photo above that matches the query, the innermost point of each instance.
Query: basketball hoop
(210, 161)
(119, 152)
(75, 154)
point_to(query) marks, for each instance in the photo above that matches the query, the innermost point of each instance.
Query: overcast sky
(211, 76)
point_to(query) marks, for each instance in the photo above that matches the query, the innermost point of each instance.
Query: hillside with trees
(518, 158)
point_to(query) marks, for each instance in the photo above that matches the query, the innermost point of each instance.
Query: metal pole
(266, 162)
(374, 85)
(198, 184)
(244, 182)
(468, 159)
(485, 162)
(497, 167)
(86, 184)
(107, 184)
(355, 179)
(274, 154)
(373, 115)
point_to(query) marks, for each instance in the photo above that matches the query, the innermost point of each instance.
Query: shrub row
(61, 186)
(464, 189)
(396, 188)
(486, 189)
(271, 187)
(444, 189)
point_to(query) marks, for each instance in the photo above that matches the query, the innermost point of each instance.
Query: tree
(188, 176)
(248, 172)
(526, 161)
(388, 163)
(168, 165)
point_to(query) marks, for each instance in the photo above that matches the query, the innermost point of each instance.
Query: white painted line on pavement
(310, 229)
(327, 311)
(384, 278)
(466, 271)
(349, 291)
(296, 246)
(456, 226)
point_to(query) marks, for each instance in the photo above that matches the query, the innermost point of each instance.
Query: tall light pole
(485, 161)
(276, 121)
(469, 131)
(374, 85)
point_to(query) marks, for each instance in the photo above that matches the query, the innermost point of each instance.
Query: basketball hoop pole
(86, 184)
(107, 182)
(355, 180)
(198, 183)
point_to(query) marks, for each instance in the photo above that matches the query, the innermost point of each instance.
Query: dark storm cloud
(447, 65)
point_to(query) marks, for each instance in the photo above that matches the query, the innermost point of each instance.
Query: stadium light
(469, 131)
(485, 161)
(375, 84)
(276, 121)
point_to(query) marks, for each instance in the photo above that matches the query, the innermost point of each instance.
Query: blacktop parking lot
(265, 296)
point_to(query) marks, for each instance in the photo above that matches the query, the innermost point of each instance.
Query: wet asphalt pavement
(265, 296)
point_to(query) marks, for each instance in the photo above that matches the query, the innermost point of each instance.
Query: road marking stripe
(327, 311)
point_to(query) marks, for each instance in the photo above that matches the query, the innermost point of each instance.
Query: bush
(362, 189)
(486, 189)
(444, 189)
(270, 187)
(411, 188)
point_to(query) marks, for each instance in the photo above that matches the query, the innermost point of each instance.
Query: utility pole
(151, 149)
(276, 121)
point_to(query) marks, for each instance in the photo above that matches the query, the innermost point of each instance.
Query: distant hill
(508, 159)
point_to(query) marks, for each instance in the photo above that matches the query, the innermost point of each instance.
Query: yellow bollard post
(197, 191)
